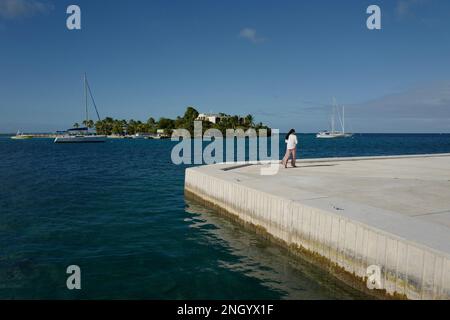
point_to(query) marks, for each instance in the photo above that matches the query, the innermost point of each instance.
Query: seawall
(391, 214)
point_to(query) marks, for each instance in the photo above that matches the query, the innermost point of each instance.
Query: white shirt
(291, 141)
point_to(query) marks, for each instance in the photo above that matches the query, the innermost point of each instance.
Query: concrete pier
(355, 213)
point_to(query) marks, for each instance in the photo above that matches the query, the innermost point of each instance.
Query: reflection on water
(271, 264)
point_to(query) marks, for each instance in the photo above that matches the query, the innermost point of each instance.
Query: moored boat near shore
(333, 133)
(78, 139)
(82, 135)
(79, 135)
(21, 136)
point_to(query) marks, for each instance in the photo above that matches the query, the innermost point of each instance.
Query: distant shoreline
(53, 135)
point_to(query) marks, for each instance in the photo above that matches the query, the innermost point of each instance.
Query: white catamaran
(334, 133)
(82, 135)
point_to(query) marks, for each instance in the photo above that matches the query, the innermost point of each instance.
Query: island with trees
(165, 126)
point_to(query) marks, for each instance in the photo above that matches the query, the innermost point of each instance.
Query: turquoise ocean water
(118, 211)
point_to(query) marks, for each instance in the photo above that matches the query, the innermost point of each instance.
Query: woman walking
(291, 141)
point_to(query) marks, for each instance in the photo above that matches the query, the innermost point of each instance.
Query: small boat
(82, 135)
(20, 136)
(333, 133)
(138, 136)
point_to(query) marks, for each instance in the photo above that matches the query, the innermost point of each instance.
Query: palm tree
(100, 127)
(76, 125)
(117, 128)
(190, 114)
(88, 123)
(249, 119)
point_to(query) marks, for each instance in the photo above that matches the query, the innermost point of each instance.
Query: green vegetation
(121, 127)
(87, 123)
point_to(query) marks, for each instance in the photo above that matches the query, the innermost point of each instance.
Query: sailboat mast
(333, 115)
(343, 119)
(86, 98)
(332, 120)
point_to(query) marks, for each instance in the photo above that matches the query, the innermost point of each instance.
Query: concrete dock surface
(388, 212)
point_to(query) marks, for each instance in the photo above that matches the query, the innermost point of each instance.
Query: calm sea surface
(118, 211)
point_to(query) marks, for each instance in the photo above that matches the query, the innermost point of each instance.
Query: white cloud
(405, 8)
(428, 101)
(12, 9)
(424, 108)
(250, 34)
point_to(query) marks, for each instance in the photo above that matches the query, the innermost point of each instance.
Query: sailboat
(21, 136)
(334, 133)
(82, 135)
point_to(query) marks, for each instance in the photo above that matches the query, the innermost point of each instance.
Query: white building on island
(211, 117)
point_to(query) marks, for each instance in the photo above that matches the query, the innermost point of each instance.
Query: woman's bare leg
(286, 158)
(294, 151)
(289, 157)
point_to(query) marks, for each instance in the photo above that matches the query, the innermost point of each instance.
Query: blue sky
(282, 61)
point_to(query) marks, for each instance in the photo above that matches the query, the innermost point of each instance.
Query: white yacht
(334, 133)
(82, 135)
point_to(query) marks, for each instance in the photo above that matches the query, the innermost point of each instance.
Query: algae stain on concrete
(325, 271)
